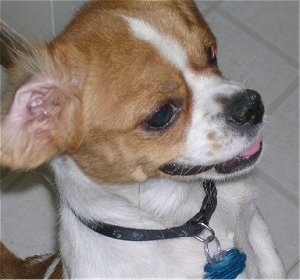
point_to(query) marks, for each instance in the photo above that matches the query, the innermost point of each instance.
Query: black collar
(191, 228)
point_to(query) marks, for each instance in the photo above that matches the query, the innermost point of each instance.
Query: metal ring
(209, 238)
(217, 256)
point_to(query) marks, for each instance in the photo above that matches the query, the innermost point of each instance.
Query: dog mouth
(240, 162)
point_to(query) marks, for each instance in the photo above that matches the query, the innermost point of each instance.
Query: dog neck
(192, 228)
(156, 203)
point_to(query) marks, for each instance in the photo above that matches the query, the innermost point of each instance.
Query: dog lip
(239, 162)
(235, 164)
(183, 169)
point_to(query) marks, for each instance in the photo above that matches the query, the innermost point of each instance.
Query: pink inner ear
(31, 120)
(36, 99)
(35, 127)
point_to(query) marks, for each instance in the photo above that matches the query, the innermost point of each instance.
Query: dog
(131, 110)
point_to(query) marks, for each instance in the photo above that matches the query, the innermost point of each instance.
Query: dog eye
(162, 117)
(212, 55)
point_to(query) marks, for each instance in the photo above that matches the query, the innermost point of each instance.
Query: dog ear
(43, 120)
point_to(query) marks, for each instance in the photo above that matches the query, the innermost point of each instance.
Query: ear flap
(43, 120)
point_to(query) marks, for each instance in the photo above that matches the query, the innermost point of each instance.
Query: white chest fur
(156, 204)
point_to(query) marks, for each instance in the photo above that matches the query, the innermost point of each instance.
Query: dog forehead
(182, 46)
(163, 43)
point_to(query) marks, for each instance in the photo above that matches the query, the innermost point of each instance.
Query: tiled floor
(258, 46)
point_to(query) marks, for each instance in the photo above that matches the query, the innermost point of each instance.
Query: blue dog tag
(227, 265)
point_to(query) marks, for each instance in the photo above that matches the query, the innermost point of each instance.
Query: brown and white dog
(130, 107)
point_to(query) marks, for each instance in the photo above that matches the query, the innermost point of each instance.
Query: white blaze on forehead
(172, 51)
(167, 46)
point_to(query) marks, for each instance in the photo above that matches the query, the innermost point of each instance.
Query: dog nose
(245, 107)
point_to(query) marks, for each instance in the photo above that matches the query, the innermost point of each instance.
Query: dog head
(131, 90)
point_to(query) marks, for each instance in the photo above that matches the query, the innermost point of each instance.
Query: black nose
(244, 108)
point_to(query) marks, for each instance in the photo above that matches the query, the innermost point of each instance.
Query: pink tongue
(252, 149)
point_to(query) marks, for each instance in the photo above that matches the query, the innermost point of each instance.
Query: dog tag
(225, 265)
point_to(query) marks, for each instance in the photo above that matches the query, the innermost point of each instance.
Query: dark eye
(162, 117)
(212, 55)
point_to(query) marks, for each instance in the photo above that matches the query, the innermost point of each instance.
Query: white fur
(157, 203)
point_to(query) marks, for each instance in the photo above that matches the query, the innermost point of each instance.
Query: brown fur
(102, 78)
(35, 267)
(110, 145)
